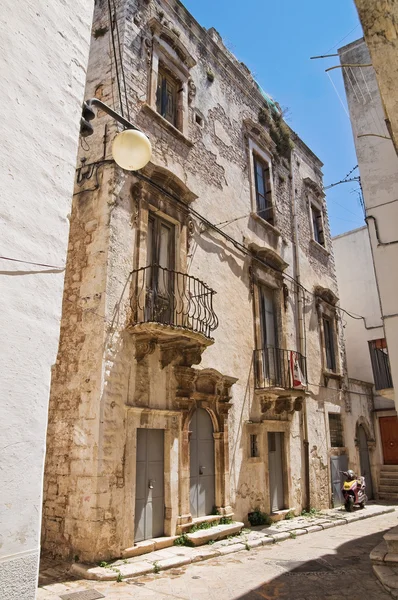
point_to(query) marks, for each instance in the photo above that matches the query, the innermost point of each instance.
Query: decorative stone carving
(143, 348)
(190, 232)
(147, 45)
(281, 405)
(191, 90)
(137, 195)
(137, 19)
(185, 381)
(180, 353)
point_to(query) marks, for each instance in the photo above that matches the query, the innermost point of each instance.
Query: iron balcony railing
(380, 364)
(278, 368)
(172, 298)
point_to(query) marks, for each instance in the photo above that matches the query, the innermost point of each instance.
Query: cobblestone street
(331, 564)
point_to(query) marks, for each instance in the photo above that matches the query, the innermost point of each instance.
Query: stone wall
(110, 377)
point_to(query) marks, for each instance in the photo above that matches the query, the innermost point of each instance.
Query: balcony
(278, 369)
(380, 366)
(166, 303)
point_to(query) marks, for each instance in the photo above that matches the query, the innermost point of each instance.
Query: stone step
(198, 521)
(218, 532)
(388, 496)
(389, 469)
(390, 489)
(391, 539)
(148, 546)
(388, 480)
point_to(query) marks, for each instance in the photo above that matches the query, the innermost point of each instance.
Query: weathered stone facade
(119, 369)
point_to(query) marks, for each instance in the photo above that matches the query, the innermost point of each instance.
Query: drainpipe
(300, 326)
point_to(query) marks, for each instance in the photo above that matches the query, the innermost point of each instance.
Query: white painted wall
(378, 165)
(44, 51)
(358, 294)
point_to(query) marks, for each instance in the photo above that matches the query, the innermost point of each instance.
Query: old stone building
(200, 361)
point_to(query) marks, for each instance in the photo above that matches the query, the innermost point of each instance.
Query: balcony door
(160, 273)
(269, 341)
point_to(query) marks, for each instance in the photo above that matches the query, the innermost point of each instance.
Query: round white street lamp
(131, 149)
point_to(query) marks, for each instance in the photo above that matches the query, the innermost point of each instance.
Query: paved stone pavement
(331, 564)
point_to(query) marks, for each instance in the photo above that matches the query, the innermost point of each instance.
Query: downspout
(300, 326)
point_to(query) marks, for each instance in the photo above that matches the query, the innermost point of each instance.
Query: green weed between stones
(183, 540)
(156, 567)
(257, 517)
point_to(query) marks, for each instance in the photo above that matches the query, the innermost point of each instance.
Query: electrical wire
(121, 61)
(342, 39)
(28, 262)
(111, 23)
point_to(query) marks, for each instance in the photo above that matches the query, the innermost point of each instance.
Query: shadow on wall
(236, 260)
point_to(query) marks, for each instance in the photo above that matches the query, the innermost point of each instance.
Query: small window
(166, 96)
(380, 364)
(254, 452)
(336, 431)
(317, 225)
(329, 344)
(198, 120)
(262, 178)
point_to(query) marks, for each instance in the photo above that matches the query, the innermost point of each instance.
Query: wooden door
(389, 439)
(202, 494)
(275, 466)
(149, 489)
(365, 461)
(337, 465)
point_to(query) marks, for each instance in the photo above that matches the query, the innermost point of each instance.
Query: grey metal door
(275, 466)
(337, 464)
(364, 461)
(202, 464)
(149, 489)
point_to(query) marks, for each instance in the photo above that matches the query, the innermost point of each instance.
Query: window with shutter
(262, 178)
(329, 344)
(166, 96)
(317, 225)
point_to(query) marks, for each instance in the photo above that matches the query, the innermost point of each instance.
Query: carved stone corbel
(190, 232)
(191, 90)
(137, 195)
(143, 348)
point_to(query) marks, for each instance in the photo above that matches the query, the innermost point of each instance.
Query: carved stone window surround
(170, 52)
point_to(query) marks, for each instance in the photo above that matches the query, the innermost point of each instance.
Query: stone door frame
(273, 426)
(170, 422)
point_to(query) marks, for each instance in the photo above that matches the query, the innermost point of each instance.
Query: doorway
(202, 471)
(338, 464)
(275, 467)
(149, 489)
(269, 341)
(160, 272)
(389, 439)
(364, 461)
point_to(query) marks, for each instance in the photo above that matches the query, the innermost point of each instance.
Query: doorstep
(178, 556)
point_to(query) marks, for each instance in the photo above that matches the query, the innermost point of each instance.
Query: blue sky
(275, 40)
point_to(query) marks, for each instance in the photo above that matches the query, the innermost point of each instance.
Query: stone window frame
(148, 199)
(261, 276)
(331, 408)
(316, 206)
(264, 156)
(169, 52)
(315, 198)
(326, 309)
